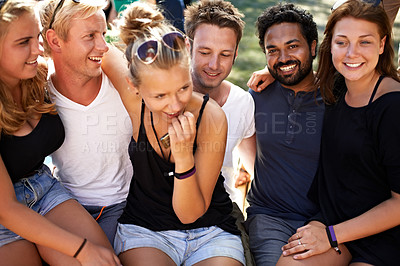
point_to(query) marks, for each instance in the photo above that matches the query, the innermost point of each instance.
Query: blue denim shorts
(40, 192)
(184, 247)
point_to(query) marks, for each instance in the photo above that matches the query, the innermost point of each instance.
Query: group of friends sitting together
(142, 136)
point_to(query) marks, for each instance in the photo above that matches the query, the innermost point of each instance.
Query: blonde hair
(62, 21)
(34, 96)
(141, 22)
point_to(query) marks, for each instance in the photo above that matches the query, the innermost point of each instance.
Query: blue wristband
(332, 239)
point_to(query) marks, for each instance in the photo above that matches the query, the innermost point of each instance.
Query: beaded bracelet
(332, 239)
(80, 248)
(186, 174)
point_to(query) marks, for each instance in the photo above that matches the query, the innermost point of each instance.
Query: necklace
(158, 142)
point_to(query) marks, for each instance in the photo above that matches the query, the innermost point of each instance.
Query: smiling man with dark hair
(288, 119)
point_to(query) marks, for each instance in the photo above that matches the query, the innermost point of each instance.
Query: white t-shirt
(93, 162)
(239, 111)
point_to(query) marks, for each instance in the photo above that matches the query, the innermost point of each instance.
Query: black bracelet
(332, 239)
(186, 174)
(80, 248)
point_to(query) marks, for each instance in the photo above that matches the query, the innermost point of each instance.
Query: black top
(25, 154)
(359, 167)
(149, 202)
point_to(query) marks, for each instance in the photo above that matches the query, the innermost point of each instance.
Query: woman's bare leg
(217, 261)
(329, 258)
(71, 216)
(145, 257)
(21, 252)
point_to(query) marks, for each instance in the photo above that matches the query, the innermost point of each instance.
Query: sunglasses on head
(148, 51)
(341, 2)
(58, 7)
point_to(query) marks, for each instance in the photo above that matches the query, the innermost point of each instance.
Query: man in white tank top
(93, 162)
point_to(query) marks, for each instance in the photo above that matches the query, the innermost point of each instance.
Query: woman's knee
(10, 254)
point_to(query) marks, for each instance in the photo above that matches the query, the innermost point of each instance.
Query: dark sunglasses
(341, 2)
(148, 51)
(58, 7)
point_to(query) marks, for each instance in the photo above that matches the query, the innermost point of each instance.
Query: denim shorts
(184, 247)
(40, 192)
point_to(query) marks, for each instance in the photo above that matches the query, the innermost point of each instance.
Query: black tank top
(23, 155)
(149, 202)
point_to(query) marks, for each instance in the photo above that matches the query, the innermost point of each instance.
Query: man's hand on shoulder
(260, 79)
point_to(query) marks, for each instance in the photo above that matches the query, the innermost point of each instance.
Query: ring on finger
(300, 242)
(298, 237)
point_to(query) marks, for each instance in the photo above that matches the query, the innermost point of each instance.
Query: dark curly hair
(282, 13)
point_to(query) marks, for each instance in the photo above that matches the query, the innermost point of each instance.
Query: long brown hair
(326, 72)
(34, 97)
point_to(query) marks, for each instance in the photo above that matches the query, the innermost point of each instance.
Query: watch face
(165, 141)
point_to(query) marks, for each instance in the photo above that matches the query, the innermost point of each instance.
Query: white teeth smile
(212, 75)
(353, 65)
(95, 58)
(287, 68)
(31, 62)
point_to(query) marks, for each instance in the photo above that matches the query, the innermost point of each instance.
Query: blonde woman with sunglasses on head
(178, 211)
(38, 217)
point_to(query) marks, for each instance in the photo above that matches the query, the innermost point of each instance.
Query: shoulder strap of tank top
(205, 100)
(141, 126)
(142, 113)
(375, 89)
